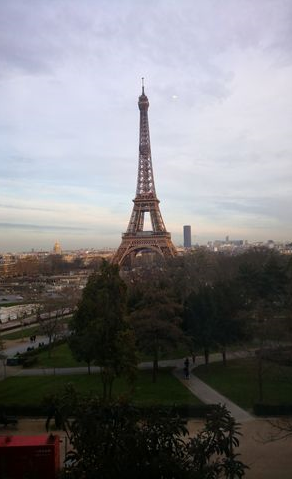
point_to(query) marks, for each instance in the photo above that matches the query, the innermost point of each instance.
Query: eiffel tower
(136, 239)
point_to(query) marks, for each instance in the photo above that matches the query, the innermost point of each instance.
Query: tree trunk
(104, 384)
(110, 389)
(224, 357)
(104, 387)
(260, 377)
(154, 370)
(49, 347)
(206, 354)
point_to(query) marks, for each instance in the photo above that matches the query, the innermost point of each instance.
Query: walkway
(209, 395)
(200, 389)
(21, 346)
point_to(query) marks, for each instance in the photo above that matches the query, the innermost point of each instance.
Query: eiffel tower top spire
(145, 182)
(142, 85)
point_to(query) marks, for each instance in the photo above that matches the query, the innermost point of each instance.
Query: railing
(141, 234)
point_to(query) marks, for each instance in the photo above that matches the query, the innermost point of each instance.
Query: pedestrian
(187, 368)
(186, 372)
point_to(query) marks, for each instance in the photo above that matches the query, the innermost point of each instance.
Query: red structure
(135, 239)
(29, 456)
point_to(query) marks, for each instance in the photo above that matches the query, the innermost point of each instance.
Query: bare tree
(49, 322)
(51, 328)
(3, 356)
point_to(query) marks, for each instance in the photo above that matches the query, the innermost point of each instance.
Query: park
(128, 345)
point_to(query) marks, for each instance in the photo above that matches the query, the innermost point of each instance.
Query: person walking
(186, 368)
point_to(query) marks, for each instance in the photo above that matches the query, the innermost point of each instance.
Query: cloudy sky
(218, 75)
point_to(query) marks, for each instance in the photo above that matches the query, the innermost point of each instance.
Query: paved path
(21, 346)
(208, 395)
(18, 371)
(200, 389)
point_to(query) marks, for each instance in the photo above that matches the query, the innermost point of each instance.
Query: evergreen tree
(156, 320)
(200, 319)
(101, 332)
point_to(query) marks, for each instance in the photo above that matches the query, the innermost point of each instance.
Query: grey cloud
(36, 35)
(22, 35)
(25, 226)
(26, 208)
(259, 208)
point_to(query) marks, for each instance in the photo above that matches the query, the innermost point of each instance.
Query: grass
(238, 381)
(5, 304)
(21, 333)
(61, 357)
(32, 389)
(28, 331)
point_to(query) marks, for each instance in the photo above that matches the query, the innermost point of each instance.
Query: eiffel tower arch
(136, 239)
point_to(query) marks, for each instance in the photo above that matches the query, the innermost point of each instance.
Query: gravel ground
(267, 460)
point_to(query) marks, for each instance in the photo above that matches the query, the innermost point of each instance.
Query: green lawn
(61, 357)
(28, 331)
(24, 333)
(30, 390)
(5, 304)
(238, 381)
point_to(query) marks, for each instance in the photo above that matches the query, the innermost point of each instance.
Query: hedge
(199, 411)
(36, 350)
(272, 409)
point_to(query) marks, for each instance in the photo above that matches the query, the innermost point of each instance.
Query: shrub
(28, 362)
(272, 409)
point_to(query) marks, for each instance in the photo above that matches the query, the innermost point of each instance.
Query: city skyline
(218, 77)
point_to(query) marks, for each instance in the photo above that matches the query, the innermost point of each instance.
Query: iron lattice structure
(136, 239)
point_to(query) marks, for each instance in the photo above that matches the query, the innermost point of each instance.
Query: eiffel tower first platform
(135, 239)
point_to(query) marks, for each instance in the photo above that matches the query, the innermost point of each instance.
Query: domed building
(57, 248)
